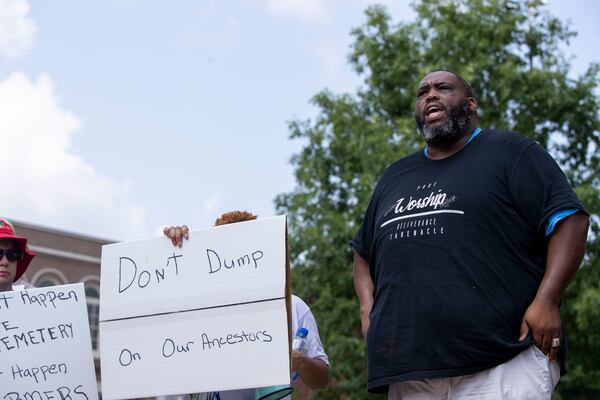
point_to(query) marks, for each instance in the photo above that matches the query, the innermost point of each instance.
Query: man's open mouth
(433, 112)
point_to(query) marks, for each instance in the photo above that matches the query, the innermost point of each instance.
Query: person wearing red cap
(14, 256)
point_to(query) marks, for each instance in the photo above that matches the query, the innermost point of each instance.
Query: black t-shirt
(457, 251)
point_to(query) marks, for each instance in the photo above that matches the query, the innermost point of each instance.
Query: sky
(119, 117)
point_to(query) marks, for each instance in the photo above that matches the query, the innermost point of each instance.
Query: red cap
(7, 232)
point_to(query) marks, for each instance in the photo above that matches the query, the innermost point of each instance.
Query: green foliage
(509, 51)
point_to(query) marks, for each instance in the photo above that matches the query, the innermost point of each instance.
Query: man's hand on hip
(542, 318)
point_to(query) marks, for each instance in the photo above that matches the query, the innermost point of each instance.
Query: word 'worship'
(434, 200)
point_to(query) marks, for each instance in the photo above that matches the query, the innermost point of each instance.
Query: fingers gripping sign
(542, 320)
(177, 234)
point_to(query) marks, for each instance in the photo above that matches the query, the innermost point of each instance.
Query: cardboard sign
(45, 345)
(208, 316)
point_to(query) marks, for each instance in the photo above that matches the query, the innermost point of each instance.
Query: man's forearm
(565, 252)
(363, 284)
(314, 373)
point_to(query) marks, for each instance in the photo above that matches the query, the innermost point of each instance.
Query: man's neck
(436, 152)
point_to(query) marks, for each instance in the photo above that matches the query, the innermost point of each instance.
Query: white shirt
(302, 317)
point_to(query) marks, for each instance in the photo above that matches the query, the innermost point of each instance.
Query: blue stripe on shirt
(557, 217)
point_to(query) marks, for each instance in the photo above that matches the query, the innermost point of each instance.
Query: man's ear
(472, 104)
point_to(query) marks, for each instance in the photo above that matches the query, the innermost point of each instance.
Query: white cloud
(307, 9)
(210, 205)
(16, 28)
(42, 180)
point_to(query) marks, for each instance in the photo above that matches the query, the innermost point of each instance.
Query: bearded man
(462, 258)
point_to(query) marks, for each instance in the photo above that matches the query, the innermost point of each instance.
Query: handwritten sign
(208, 316)
(45, 345)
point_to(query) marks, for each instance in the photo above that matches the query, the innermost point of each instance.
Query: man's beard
(457, 120)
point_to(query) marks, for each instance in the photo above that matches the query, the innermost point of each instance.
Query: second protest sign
(45, 346)
(209, 316)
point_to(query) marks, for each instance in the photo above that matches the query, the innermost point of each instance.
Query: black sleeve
(539, 188)
(363, 240)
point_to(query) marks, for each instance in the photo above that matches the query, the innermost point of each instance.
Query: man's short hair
(234, 216)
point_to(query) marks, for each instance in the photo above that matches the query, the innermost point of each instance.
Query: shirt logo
(418, 211)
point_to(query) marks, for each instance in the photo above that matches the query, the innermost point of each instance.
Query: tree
(509, 51)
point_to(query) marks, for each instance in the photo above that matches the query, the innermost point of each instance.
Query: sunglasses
(11, 254)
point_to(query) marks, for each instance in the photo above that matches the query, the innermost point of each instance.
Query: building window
(45, 282)
(48, 277)
(93, 306)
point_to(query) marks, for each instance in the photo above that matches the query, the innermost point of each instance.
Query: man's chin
(436, 124)
(441, 139)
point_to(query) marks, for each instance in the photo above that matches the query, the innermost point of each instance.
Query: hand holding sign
(177, 234)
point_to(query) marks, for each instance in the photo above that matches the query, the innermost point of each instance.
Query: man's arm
(565, 252)
(313, 372)
(363, 284)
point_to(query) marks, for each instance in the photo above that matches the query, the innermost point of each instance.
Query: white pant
(530, 375)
